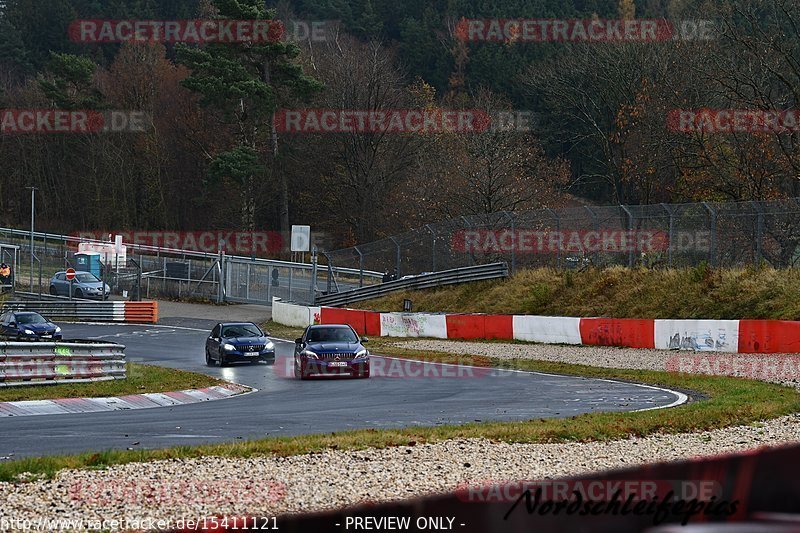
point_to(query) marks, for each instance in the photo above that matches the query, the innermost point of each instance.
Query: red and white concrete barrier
(730, 336)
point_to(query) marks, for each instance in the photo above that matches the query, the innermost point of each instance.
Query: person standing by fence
(5, 274)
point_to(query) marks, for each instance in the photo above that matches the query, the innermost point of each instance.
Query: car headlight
(58, 329)
(228, 347)
(29, 332)
(310, 354)
(270, 345)
(361, 354)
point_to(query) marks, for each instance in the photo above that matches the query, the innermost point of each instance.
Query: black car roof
(237, 324)
(317, 326)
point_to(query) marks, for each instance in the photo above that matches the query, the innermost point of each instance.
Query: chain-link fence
(149, 272)
(661, 235)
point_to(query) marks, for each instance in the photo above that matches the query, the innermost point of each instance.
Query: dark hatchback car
(330, 350)
(238, 341)
(27, 325)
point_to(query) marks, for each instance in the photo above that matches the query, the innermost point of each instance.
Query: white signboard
(301, 238)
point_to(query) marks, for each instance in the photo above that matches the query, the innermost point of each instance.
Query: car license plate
(46, 336)
(337, 363)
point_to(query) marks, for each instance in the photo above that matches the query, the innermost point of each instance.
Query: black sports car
(238, 341)
(330, 350)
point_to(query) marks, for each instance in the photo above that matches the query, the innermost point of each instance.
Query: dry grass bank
(620, 293)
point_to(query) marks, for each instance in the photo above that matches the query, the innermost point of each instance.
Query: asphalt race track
(286, 406)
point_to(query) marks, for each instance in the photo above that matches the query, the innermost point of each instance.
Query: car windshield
(30, 318)
(86, 277)
(241, 330)
(332, 335)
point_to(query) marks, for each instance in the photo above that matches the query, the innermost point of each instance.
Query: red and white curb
(66, 406)
(729, 336)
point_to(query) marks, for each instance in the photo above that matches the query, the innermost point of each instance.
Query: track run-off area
(399, 394)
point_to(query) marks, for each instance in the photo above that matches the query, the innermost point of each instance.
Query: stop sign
(70, 274)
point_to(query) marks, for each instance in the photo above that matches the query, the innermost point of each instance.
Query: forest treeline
(210, 159)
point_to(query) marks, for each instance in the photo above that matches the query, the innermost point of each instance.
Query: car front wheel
(53, 290)
(209, 361)
(302, 372)
(222, 361)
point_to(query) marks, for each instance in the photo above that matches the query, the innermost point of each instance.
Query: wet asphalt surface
(399, 394)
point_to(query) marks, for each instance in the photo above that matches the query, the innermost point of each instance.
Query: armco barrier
(87, 310)
(732, 336)
(42, 363)
(421, 281)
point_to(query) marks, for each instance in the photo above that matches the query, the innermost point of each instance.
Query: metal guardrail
(422, 281)
(48, 363)
(44, 297)
(88, 310)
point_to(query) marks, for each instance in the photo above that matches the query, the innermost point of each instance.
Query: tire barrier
(90, 311)
(47, 363)
(729, 336)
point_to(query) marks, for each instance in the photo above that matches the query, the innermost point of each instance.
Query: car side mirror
(298, 341)
(364, 340)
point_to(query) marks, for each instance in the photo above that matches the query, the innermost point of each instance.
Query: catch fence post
(631, 260)
(712, 223)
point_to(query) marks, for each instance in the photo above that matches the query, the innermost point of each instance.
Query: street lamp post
(33, 217)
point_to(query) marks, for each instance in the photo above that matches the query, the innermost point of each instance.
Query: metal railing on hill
(422, 281)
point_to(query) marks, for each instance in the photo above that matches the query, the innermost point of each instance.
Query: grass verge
(700, 292)
(279, 331)
(730, 401)
(141, 379)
